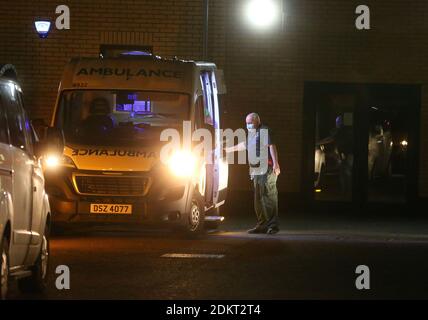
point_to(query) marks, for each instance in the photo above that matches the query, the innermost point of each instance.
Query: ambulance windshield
(112, 117)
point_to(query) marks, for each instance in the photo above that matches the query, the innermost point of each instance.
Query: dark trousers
(266, 199)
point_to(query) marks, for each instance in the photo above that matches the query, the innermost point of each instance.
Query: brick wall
(265, 72)
(320, 43)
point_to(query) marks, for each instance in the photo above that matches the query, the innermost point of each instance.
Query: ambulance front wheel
(195, 217)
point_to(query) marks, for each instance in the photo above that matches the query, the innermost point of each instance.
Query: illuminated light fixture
(318, 190)
(54, 161)
(183, 164)
(42, 27)
(137, 53)
(404, 143)
(263, 14)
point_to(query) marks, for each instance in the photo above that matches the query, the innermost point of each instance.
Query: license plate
(111, 208)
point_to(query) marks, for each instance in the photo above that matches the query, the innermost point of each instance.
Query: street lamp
(263, 14)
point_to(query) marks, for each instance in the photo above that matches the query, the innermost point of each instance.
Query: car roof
(9, 75)
(8, 71)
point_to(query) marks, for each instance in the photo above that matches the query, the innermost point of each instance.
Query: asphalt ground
(307, 259)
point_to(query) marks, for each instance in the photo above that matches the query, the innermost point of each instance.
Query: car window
(16, 119)
(4, 136)
(28, 129)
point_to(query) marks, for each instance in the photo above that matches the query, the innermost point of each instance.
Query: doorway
(361, 143)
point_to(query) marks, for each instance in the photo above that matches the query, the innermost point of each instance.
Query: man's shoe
(256, 230)
(272, 230)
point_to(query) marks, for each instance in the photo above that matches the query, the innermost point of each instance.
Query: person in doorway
(343, 139)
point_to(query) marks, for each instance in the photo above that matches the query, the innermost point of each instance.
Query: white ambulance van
(108, 119)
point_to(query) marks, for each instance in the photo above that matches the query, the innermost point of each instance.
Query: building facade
(299, 76)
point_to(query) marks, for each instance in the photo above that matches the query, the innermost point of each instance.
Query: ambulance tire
(196, 217)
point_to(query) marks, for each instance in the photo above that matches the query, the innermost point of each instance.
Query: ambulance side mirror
(55, 141)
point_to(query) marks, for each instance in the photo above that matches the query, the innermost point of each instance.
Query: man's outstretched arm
(239, 147)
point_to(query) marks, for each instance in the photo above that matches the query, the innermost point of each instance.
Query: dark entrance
(361, 144)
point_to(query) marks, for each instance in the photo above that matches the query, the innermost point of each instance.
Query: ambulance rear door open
(211, 118)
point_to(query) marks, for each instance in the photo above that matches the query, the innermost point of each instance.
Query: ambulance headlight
(182, 164)
(54, 161)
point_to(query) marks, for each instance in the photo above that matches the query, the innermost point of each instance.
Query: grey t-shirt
(258, 143)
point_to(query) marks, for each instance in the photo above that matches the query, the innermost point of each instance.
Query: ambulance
(102, 161)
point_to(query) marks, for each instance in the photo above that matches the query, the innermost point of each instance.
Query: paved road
(124, 264)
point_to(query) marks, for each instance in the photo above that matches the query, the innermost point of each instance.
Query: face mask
(250, 126)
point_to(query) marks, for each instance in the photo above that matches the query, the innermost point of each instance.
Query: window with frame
(19, 124)
(28, 131)
(207, 99)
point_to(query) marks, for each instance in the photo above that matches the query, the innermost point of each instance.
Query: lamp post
(206, 21)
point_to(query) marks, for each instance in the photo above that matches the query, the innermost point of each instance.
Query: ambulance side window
(208, 99)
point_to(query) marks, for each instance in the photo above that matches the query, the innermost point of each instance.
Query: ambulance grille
(111, 186)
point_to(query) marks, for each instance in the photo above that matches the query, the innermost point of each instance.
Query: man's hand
(276, 169)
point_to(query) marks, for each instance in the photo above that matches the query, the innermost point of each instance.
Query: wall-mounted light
(404, 143)
(42, 27)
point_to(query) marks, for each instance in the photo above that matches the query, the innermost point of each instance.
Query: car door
(22, 177)
(211, 118)
(38, 184)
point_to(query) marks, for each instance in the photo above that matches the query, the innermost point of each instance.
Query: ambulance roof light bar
(136, 53)
(116, 51)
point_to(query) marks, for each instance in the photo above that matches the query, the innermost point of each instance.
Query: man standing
(264, 170)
